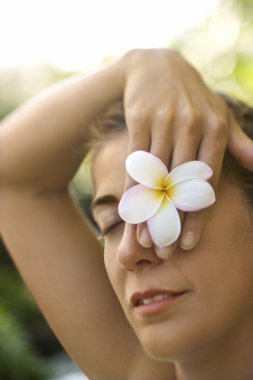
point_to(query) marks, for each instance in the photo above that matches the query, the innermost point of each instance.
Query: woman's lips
(155, 301)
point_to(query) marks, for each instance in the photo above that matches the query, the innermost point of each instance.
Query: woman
(41, 147)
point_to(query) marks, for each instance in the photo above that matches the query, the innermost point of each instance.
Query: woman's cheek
(111, 246)
(115, 271)
(110, 260)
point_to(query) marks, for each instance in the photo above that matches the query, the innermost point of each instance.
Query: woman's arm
(41, 143)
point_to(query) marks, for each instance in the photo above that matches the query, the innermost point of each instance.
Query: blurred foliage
(18, 84)
(17, 356)
(221, 48)
(25, 338)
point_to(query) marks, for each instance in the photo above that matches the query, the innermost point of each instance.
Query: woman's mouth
(154, 301)
(159, 297)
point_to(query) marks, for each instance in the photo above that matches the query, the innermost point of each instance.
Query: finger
(188, 140)
(193, 227)
(211, 152)
(138, 126)
(162, 136)
(166, 252)
(185, 149)
(143, 236)
(138, 136)
(240, 145)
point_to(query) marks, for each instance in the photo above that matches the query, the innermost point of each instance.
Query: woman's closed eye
(110, 228)
(108, 220)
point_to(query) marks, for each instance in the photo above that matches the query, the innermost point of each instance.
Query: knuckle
(219, 128)
(191, 117)
(163, 115)
(135, 116)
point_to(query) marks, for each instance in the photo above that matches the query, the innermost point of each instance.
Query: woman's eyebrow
(106, 199)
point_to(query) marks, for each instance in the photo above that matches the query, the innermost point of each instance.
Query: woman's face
(203, 297)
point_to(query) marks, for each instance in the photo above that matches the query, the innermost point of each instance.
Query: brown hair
(243, 114)
(113, 122)
(107, 126)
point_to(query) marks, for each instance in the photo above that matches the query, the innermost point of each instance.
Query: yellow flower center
(167, 187)
(170, 191)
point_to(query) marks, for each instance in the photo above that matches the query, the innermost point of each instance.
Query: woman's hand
(172, 113)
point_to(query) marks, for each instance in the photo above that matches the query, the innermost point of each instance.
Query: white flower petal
(146, 169)
(139, 203)
(188, 170)
(192, 195)
(165, 226)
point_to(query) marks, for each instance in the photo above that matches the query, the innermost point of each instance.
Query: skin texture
(201, 333)
(57, 254)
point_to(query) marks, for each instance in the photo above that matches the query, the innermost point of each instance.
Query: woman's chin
(164, 347)
(161, 352)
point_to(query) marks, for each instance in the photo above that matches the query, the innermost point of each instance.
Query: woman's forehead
(109, 166)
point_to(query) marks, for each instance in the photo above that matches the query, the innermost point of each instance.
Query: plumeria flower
(159, 194)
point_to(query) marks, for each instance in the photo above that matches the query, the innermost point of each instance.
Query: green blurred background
(221, 47)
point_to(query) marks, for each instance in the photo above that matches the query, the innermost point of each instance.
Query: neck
(231, 358)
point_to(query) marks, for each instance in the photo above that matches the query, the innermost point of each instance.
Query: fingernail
(188, 240)
(163, 253)
(145, 238)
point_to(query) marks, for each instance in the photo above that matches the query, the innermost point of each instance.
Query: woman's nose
(131, 255)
